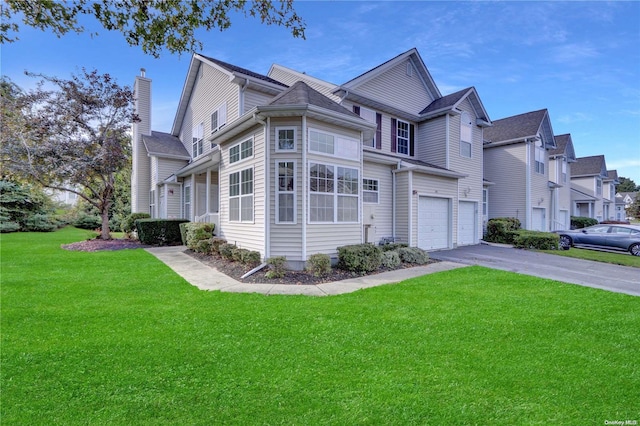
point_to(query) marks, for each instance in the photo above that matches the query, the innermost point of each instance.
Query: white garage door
(433, 223)
(467, 223)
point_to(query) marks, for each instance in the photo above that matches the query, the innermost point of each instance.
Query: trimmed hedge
(359, 258)
(413, 255)
(501, 230)
(159, 231)
(216, 242)
(390, 259)
(393, 246)
(536, 240)
(579, 222)
(129, 223)
(319, 264)
(195, 233)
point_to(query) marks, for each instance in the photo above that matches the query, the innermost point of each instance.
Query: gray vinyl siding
(540, 192)
(140, 180)
(209, 92)
(564, 193)
(506, 167)
(248, 235)
(431, 141)
(395, 88)
(286, 238)
(382, 212)
(154, 172)
(167, 167)
(402, 207)
(434, 186)
(174, 201)
(253, 98)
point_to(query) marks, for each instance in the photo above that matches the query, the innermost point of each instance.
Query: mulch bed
(233, 269)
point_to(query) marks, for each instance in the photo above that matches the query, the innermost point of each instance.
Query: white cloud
(574, 117)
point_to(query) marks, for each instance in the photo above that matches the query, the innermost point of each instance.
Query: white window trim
(463, 142)
(293, 192)
(377, 191)
(221, 118)
(335, 193)
(240, 196)
(541, 151)
(197, 139)
(186, 192)
(340, 142)
(239, 145)
(398, 137)
(295, 137)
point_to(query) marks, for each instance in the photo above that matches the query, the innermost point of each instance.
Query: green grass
(598, 256)
(118, 338)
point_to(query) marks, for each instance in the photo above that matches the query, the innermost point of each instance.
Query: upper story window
(564, 170)
(198, 134)
(612, 191)
(402, 137)
(372, 117)
(241, 151)
(598, 186)
(219, 118)
(333, 144)
(465, 134)
(321, 142)
(539, 157)
(286, 139)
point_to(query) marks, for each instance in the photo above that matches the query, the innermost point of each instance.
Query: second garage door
(434, 221)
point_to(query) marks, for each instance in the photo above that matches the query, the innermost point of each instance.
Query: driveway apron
(620, 279)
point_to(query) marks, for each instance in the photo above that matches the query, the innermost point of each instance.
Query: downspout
(346, 93)
(393, 202)
(527, 186)
(446, 158)
(410, 236)
(241, 100)
(304, 188)
(267, 184)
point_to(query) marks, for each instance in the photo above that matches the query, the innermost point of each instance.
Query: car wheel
(635, 249)
(565, 242)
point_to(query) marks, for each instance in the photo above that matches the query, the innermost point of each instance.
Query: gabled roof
(451, 102)
(236, 74)
(416, 60)
(300, 93)
(564, 148)
(165, 145)
(589, 166)
(577, 195)
(521, 127)
(612, 175)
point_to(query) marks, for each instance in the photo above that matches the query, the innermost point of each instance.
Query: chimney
(141, 163)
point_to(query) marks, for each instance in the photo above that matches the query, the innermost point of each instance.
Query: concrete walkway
(207, 278)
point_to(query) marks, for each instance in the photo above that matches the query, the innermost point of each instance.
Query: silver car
(612, 237)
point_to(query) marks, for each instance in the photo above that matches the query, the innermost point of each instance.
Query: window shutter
(379, 131)
(222, 115)
(394, 134)
(356, 109)
(412, 138)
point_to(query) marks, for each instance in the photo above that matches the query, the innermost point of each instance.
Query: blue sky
(580, 60)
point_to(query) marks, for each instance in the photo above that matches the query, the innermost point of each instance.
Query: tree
(634, 209)
(151, 24)
(25, 207)
(627, 185)
(75, 136)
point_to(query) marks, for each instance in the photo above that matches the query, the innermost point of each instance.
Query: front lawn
(624, 259)
(118, 338)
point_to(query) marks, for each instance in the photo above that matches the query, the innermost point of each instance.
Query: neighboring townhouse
(289, 165)
(623, 202)
(516, 161)
(560, 159)
(587, 181)
(609, 195)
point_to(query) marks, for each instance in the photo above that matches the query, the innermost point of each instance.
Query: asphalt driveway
(620, 279)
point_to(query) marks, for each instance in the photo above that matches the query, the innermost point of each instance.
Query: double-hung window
(370, 191)
(198, 134)
(333, 193)
(402, 134)
(564, 170)
(599, 186)
(241, 151)
(539, 157)
(465, 134)
(286, 139)
(241, 196)
(218, 118)
(285, 186)
(370, 116)
(187, 202)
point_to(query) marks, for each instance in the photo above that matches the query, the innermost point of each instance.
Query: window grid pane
(285, 139)
(402, 137)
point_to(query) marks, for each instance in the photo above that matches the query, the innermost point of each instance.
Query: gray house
(587, 181)
(287, 164)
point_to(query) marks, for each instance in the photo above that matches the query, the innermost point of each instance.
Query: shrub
(579, 222)
(251, 258)
(536, 240)
(88, 221)
(183, 233)
(226, 250)
(8, 226)
(159, 231)
(413, 255)
(40, 223)
(393, 246)
(500, 230)
(277, 267)
(390, 259)
(215, 243)
(196, 232)
(202, 246)
(238, 253)
(128, 223)
(359, 258)
(319, 264)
